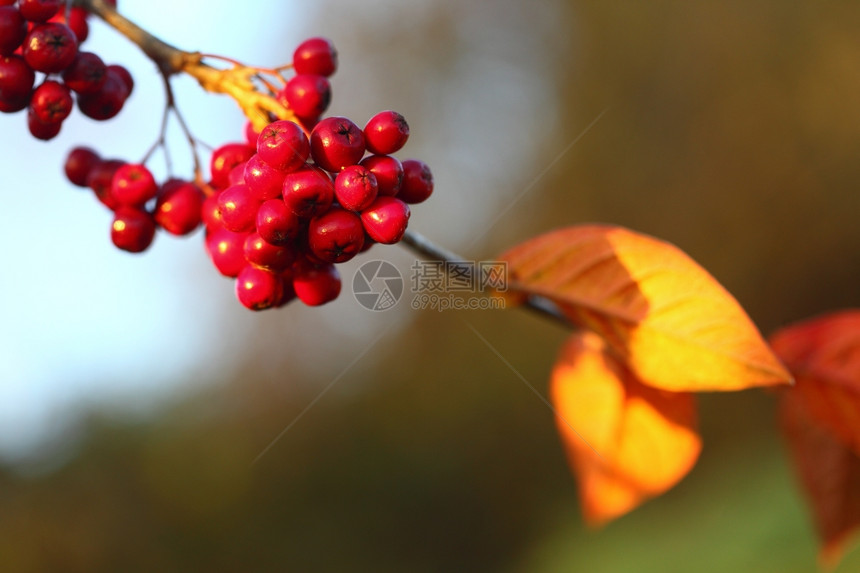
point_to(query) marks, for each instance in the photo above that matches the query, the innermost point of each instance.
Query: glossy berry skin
(79, 162)
(315, 285)
(336, 142)
(388, 172)
(308, 192)
(238, 207)
(336, 236)
(386, 220)
(226, 249)
(264, 181)
(276, 223)
(100, 179)
(13, 29)
(51, 102)
(50, 48)
(86, 74)
(16, 78)
(178, 209)
(265, 255)
(257, 289)
(41, 130)
(224, 159)
(417, 182)
(132, 230)
(108, 101)
(133, 185)
(355, 188)
(39, 10)
(77, 22)
(283, 145)
(315, 56)
(308, 96)
(124, 76)
(211, 214)
(386, 132)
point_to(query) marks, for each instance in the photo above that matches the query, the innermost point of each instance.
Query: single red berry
(132, 230)
(100, 179)
(39, 10)
(386, 132)
(316, 284)
(336, 142)
(16, 78)
(283, 145)
(306, 95)
(417, 182)
(51, 102)
(237, 175)
(388, 172)
(211, 214)
(315, 56)
(224, 159)
(276, 223)
(86, 74)
(178, 209)
(238, 207)
(124, 75)
(386, 220)
(108, 101)
(258, 289)
(308, 192)
(226, 249)
(265, 182)
(50, 48)
(263, 254)
(355, 188)
(79, 163)
(13, 30)
(77, 22)
(41, 130)
(133, 185)
(336, 236)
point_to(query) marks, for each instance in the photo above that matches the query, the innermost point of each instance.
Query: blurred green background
(731, 129)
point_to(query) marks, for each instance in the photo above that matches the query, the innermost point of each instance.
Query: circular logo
(377, 285)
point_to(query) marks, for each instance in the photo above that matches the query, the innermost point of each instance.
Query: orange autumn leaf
(670, 321)
(626, 442)
(829, 471)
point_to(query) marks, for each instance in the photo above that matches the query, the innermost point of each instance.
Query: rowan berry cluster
(283, 207)
(43, 37)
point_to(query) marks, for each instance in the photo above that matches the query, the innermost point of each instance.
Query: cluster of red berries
(42, 36)
(284, 206)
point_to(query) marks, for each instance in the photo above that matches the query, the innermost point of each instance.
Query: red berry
(39, 10)
(13, 29)
(237, 175)
(41, 130)
(355, 188)
(251, 134)
(417, 181)
(336, 236)
(276, 223)
(50, 48)
(225, 248)
(107, 101)
(51, 102)
(133, 185)
(238, 207)
(308, 96)
(79, 163)
(386, 219)
(265, 182)
(316, 284)
(16, 78)
(315, 56)
(77, 22)
(100, 179)
(124, 75)
(132, 230)
(258, 289)
(264, 254)
(224, 159)
(283, 145)
(336, 142)
(386, 132)
(178, 207)
(388, 172)
(308, 192)
(211, 214)
(86, 74)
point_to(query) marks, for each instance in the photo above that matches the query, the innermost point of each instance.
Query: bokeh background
(136, 394)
